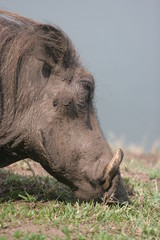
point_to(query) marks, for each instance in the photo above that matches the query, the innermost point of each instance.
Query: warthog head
(47, 111)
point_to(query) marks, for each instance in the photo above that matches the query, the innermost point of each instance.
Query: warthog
(46, 110)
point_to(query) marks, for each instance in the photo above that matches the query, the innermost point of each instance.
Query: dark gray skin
(46, 110)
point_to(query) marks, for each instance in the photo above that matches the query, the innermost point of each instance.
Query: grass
(40, 208)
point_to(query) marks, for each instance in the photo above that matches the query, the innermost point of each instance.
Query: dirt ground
(30, 168)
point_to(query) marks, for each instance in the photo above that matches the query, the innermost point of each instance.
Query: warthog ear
(113, 167)
(50, 45)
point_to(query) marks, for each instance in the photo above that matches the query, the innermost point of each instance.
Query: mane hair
(20, 35)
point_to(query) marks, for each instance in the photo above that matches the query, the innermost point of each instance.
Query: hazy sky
(119, 42)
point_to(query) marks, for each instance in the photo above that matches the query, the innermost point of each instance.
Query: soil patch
(28, 227)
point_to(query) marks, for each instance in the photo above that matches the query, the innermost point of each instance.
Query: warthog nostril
(102, 181)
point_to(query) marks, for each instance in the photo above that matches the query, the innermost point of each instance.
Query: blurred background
(119, 42)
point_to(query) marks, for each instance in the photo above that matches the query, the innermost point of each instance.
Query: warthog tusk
(113, 167)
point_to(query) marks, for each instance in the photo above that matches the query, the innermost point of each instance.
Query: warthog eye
(46, 70)
(87, 85)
